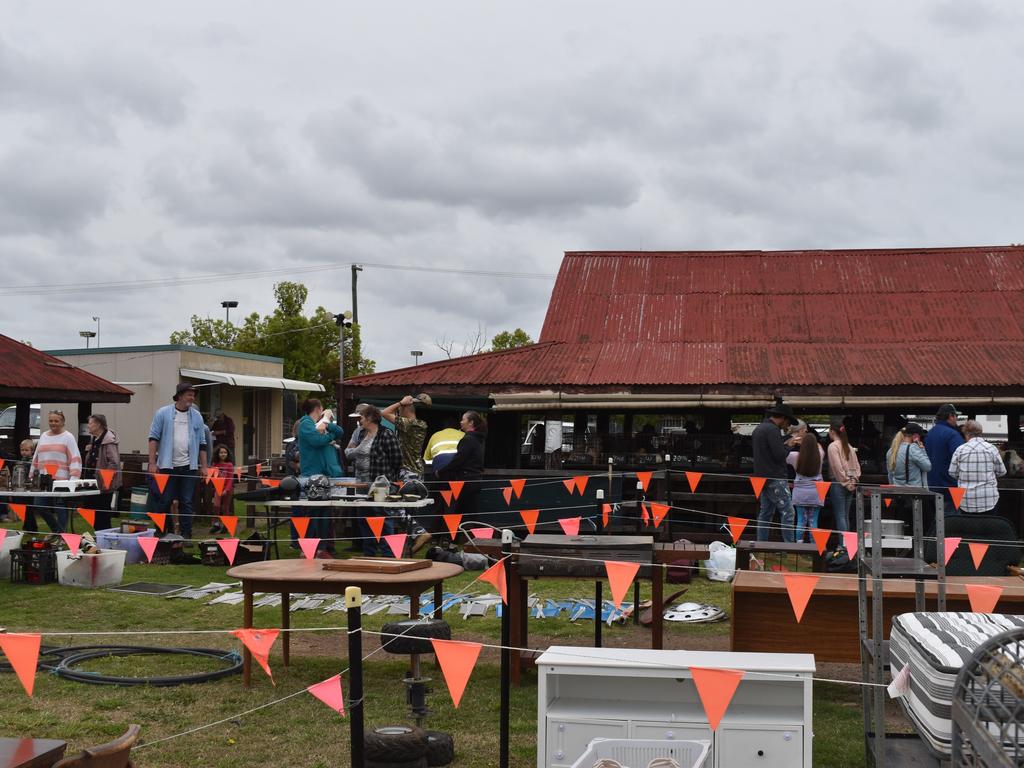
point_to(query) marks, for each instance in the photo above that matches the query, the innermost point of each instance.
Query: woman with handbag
(844, 469)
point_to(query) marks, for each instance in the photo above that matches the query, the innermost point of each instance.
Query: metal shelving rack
(874, 648)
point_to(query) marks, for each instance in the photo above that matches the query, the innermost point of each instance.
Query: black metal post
(598, 603)
(506, 657)
(354, 601)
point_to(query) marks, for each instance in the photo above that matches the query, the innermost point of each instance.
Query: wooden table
(763, 620)
(288, 577)
(30, 753)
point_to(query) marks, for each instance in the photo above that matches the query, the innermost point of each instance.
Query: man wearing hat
(178, 447)
(770, 452)
(412, 434)
(941, 442)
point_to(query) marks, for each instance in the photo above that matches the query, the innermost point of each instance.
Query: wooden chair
(113, 754)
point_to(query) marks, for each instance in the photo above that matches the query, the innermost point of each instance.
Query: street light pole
(87, 335)
(355, 302)
(97, 320)
(343, 320)
(416, 355)
(228, 306)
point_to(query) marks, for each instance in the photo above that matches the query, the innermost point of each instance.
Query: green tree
(207, 332)
(510, 340)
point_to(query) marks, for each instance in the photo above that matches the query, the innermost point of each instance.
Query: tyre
(413, 636)
(399, 744)
(440, 748)
(419, 763)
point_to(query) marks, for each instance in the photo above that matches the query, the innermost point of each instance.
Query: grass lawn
(301, 730)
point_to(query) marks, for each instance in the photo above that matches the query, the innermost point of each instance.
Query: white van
(7, 445)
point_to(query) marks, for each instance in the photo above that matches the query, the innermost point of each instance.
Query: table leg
(438, 597)
(657, 606)
(414, 606)
(286, 625)
(247, 623)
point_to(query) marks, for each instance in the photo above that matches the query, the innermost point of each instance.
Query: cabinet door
(758, 747)
(568, 739)
(669, 731)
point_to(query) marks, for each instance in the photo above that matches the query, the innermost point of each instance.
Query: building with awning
(251, 389)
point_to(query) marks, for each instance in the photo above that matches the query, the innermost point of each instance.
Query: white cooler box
(11, 541)
(113, 539)
(638, 753)
(81, 570)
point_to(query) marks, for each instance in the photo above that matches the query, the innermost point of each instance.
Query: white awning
(256, 382)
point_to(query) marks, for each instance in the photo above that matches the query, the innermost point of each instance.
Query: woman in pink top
(844, 470)
(57, 455)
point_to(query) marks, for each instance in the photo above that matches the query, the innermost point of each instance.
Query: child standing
(807, 463)
(223, 504)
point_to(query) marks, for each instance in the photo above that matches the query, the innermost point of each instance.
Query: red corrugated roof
(938, 317)
(27, 372)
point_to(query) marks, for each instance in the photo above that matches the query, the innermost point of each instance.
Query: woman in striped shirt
(57, 455)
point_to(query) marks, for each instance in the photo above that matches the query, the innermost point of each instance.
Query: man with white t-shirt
(178, 448)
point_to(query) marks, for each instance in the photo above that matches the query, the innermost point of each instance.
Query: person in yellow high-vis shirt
(441, 447)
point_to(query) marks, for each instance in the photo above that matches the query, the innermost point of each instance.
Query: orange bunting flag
(230, 523)
(620, 576)
(530, 518)
(259, 643)
(161, 478)
(496, 575)
(645, 516)
(3, 535)
(329, 692)
(308, 547)
(581, 483)
(887, 501)
(716, 688)
(693, 478)
(800, 586)
(301, 525)
(481, 533)
(159, 519)
(259, 469)
(447, 496)
(89, 515)
(22, 651)
(229, 547)
(645, 479)
(983, 597)
(148, 545)
(658, 512)
(606, 510)
(396, 541)
(456, 487)
(850, 543)
(957, 495)
(507, 493)
(1, 463)
(820, 536)
(52, 468)
(376, 525)
(19, 510)
(570, 484)
(518, 485)
(570, 525)
(757, 483)
(107, 476)
(823, 486)
(452, 520)
(457, 659)
(736, 526)
(270, 482)
(219, 483)
(73, 540)
(950, 545)
(238, 473)
(977, 553)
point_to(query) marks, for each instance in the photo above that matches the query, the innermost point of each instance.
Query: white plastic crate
(638, 753)
(11, 541)
(113, 539)
(99, 570)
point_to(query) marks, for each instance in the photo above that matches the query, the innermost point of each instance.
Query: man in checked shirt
(975, 466)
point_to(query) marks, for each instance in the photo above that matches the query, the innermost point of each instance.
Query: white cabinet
(585, 693)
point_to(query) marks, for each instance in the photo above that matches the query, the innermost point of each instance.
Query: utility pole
(355, 302)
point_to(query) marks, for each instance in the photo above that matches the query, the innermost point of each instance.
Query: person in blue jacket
(318, 456)
(940, 442)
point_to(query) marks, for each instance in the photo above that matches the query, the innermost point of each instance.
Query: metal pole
(341, 365)
(97, 332)
(353, 602)
(506, 657)
(355, 303)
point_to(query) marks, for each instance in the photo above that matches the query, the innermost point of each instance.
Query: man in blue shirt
(940, 442)
(178, 448)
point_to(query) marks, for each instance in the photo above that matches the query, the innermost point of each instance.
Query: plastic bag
(721, 565)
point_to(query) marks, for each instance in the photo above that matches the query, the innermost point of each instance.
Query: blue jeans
(52, 509)
(842, 502)
(181, 487)
(806, 518)
(775, 497)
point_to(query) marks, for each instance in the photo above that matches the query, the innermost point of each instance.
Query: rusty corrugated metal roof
(26, 372)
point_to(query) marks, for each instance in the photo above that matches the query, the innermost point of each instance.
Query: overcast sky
(142, 141)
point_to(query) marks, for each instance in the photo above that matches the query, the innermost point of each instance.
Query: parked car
(8, 447)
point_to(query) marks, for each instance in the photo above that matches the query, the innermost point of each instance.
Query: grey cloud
(962, 17)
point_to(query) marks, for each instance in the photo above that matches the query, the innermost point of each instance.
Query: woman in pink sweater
(844, 469)
(57, 455)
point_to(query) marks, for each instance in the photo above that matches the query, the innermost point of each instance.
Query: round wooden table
(288, 577)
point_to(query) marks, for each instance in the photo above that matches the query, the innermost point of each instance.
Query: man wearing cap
(178, 447)
(941, 443)
(770, 452)
(976, 464)
(412, 433)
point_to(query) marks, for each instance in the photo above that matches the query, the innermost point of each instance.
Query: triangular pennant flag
(161, 478)
(1, 463)
(800, 586)
(148, 545)
(570, 484)
(229, 547)
(329, 692)
(259, 469)
(606, 510)
(517, 485)
(978, 551)
(89, 515)
(757, 483)
(238, 473)
(457, 659)
(983, 597)
(507, 493)
(376, 526)
(159, 519)
(581, 483)
(496, 575)
(396, 541)
(658, 512)
(850, 543)
(230, 523)
(308, 546)
(52, 468)
(452, 520)
(957, 495)
(620, 576)
(481, 533)
(570, 525)
(259, 643)
(693, 478)
(19, 510)
(823, 486)
(219, 483)
(22, 651)
(820, 536)
(270, 482)
(715, 688)
(3, 535)
(301, 525)
(950, 544)
(447, 496)
(73, 540)
(209, 474)
(456, 487)
(645, 516)
(645, 479)
(736, 526)
(530, 518)
(107, 476)
(887, 502)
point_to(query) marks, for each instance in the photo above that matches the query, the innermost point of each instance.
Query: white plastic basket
(638, 753)
(11, 541)
(82, 570)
